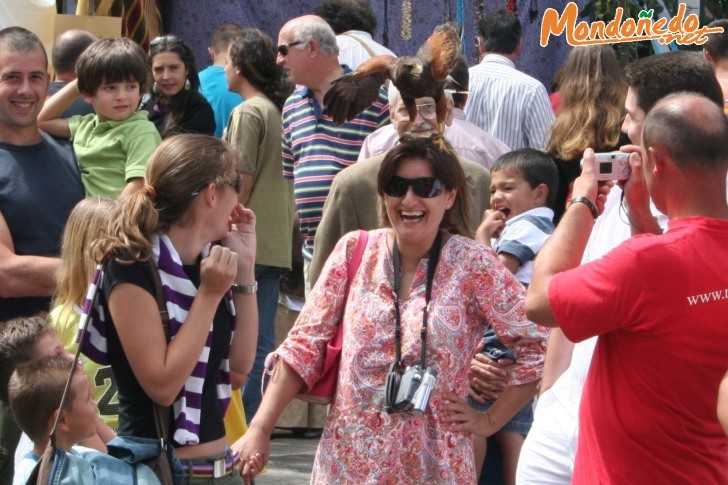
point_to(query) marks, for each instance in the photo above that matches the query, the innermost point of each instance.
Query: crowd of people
(496, 280)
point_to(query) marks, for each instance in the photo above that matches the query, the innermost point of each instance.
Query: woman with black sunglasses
(178, 301)
(175, 104)
(417, 308)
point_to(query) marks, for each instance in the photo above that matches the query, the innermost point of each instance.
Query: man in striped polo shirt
(508, 104)
(315, 149)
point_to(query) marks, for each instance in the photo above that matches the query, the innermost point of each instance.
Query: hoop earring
(155, 88)
(188, 86)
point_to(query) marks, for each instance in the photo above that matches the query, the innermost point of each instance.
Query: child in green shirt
(114, 144)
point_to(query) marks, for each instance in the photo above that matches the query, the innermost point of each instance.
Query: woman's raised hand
(241, 238)
(218, 270)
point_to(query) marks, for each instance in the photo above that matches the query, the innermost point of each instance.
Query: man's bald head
(311, 27)
(67, 48)
(691, 129)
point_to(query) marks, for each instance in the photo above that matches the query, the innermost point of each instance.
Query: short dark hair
(112, 60)
(500, 31)
(223, 36)
(717, 44)
(22, 40)
(17, 344)
(346, 15)
(460, 81)
(445, 166)
(655, 77)
(68, 47)
(35, 389)
(690, 128)
(535, 166)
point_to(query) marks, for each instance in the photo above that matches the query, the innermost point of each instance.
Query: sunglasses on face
(165, 39)
(236, 183)
(425, 187)
(283, 48)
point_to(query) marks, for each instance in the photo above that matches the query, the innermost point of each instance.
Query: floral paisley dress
(361, 443)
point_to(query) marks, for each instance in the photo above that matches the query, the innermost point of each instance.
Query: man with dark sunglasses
(352, 201)
(315, 148)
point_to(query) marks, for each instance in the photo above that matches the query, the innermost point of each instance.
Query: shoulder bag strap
(361, 245)
(363, 44)
(161, 413)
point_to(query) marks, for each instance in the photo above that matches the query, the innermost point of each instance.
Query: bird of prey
(419, 76)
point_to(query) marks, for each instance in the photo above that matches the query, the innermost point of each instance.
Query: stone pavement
(291, 459)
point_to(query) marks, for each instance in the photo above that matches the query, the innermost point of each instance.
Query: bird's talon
(439, 142)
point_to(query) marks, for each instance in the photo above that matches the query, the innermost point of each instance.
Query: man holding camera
(657, 302)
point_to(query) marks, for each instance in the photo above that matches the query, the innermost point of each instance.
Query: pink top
(361, 443)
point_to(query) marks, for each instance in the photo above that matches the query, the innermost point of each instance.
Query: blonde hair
(593, 89)
(177, 171)
(87, 222)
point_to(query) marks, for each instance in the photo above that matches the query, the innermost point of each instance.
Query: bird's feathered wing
(441, 51)
(353, 93)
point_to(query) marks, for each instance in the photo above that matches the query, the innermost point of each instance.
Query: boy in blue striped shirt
(520, 220)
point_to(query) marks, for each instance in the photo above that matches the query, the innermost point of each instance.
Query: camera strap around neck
(431, 266)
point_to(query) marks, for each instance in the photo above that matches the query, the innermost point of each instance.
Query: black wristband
(586, 202)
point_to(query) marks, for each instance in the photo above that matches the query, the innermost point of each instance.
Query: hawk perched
(419, 76)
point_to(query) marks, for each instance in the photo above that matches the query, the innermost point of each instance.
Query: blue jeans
(269, 280)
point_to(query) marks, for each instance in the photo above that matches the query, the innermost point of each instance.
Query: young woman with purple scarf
(187, 222)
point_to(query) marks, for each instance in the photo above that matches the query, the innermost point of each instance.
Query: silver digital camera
(409, 392)
(611, 165)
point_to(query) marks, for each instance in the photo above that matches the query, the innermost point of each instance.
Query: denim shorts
(520, 423)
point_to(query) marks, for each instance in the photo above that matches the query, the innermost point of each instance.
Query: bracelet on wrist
(586, 202)
(245, 289)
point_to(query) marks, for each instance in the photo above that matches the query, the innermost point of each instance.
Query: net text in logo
(681, 29)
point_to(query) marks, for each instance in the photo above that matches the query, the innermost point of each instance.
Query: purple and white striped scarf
(179, 293)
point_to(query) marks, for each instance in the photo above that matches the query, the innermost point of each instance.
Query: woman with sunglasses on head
(254, 130)
(417, 307)
(171, 228)
(175, 104)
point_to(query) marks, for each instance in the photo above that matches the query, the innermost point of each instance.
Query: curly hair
(346, 15)
(593, 89)
(254, 54)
